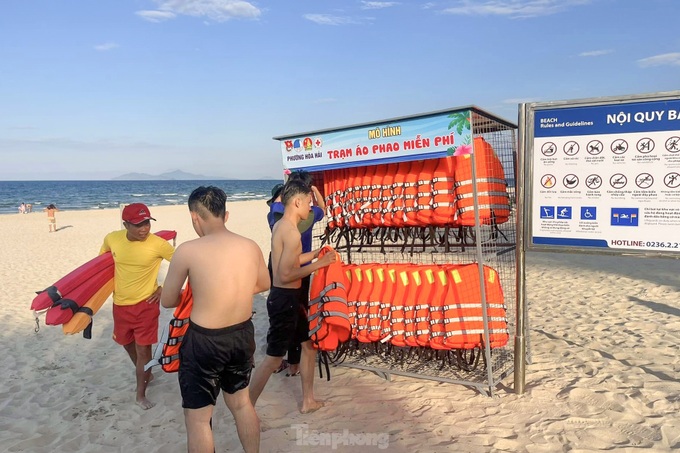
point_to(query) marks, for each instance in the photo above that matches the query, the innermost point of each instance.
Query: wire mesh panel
(429, 251)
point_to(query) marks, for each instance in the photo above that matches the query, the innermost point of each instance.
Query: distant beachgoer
(137, 256)
(22, 208)
(51, 218)
(29, 207)
(226, 270)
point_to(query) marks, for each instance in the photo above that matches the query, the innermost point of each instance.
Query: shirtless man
(225, 270)
(286, 302)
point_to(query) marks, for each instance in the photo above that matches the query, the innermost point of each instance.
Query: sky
(91, 90)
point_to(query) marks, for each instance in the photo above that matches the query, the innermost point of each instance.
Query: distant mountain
(177, 175)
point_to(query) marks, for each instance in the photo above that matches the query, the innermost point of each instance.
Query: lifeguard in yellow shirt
(137, 254)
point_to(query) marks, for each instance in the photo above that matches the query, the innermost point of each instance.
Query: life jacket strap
(176, 322)
(166, 359)
(468, 182)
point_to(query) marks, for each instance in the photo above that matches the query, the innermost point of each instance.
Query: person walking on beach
(51, 209)
(306, 226)
(137, 256)
(285, 304)
(217, 351)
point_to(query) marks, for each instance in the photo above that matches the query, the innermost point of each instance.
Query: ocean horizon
(107, 194)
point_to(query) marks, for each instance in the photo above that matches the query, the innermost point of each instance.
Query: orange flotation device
(386, 303)
(363, 303)
(424, 197)
(355, 278)
(166, 353)
(397, 312)
(463, 315)
(398, 187)
(329, 323)
(443, 198)
(410, 194)
(387, 194)
(422, 309)
(375, 302)
(437, 328)
(492, 196)
(412, 296)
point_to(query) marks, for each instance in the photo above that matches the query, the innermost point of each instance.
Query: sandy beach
(604, 372)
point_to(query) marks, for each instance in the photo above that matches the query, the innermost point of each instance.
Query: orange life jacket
(422, 309)
(375, 303)
(398, 188)
(424, 197)
(443, 199)
(355, 278)
(413, 296)
(328, 313)
(437, 327)
(355, 198)
(386, 303)
(492, 196)
(329, 182)
(411, 193)
(364, 302)
(372, 207)
(387, 194)
(463, 317)
(166, 353)
(397, 312)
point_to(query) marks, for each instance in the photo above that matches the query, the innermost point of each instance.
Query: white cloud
(155, 16)
(429, 5)
(512, 8)
(595, 53)
(377, 5)
(666, 59)
(106, 46)
(217, 10)
(328, 19)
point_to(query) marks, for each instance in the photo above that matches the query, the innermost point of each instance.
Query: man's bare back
(224, 270)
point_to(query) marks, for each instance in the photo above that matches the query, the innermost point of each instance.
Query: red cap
(136, 213)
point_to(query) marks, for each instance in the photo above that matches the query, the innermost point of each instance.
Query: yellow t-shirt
(136, 265)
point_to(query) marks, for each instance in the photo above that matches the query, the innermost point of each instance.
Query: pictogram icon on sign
(593, 181)
(645, 145)
(548, 149)
(618, 181)
(548, 181)
(594, 147)
(570, 181)
(672, 180)
(625, 217)
(619, 146)
(564, 212)
(547, 212)
(588, 213)
(644, 180)
(673, 144)
(571, 148)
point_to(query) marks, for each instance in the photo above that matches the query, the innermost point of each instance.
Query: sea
(84, 195)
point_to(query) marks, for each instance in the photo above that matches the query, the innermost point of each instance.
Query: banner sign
(422, 137)
(606, 176)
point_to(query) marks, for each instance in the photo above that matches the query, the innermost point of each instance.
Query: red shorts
(138, 323)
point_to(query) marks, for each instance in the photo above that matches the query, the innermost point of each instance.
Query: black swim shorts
(210, 359)
(287, 310)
